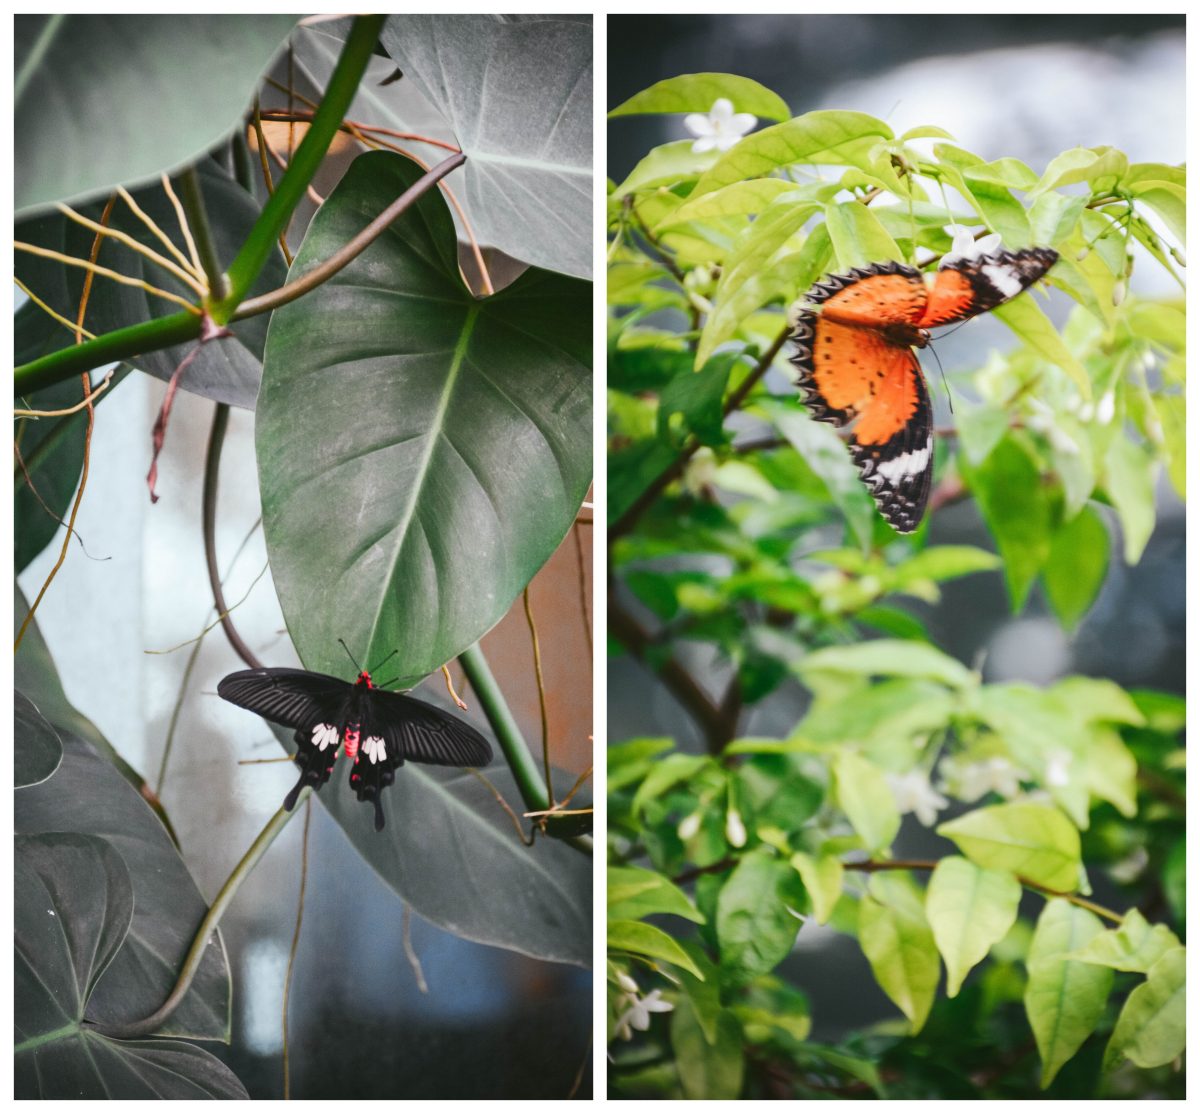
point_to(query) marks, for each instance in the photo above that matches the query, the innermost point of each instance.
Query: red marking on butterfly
(857, 364)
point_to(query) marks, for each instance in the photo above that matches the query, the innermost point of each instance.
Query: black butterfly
(379, 730)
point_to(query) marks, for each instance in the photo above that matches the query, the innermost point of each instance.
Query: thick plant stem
(163, 332)
(195, 955)
(508, 734)
(193, 204)
(212, 468)
(512, 742)
(304, 163)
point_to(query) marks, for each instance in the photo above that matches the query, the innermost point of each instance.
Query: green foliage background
(723, 499)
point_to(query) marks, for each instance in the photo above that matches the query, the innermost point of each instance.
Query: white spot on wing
(1003, 278)
(374, 749)
(906, 464)
(324, 735)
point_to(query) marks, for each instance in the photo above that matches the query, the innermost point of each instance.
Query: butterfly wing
(966, 287)
(853, 370)
(313, 703)
(397, 729)
(289, 697)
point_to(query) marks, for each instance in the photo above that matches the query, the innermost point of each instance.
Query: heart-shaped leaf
(104, 100)
(87, 795)
(72, 910)
(516, 96)
(37, 749)
(227, 370)
(519, 98)
(421, 452)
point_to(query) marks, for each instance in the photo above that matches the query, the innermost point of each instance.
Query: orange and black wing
(966, 287)
(853, 370)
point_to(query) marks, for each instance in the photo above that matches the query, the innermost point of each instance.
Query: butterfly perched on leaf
(854, 350)
(378, 730)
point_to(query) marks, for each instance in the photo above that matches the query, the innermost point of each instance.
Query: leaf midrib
(423, 468)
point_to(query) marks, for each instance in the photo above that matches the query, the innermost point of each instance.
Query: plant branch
(709, 717)
(201, 229)
(351, 250)
(276, 213)
(212, 469)
(656, 487)
(871, 866)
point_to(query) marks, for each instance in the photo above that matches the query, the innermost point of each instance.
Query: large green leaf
(519, 98)
(451, 852)
(51, 448)
(37, 749)
(421, 453)
(72, 909)
(514, 94)
(105, 100)
(227, 370)
(87, 795)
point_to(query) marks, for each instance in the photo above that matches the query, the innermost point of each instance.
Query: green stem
(120, 344)
(195, 955)
(304, 164)
(508, 734)
(201, 229)
(512, 742)
(163, 332)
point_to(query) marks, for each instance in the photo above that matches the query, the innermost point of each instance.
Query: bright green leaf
(758, 915)
(900, 947)
(969, 909)
(644, 939)
(1064, 998)
(866, 799)
(1033, 841)
(696, 92)
(1075, 569)
(1151, 1030)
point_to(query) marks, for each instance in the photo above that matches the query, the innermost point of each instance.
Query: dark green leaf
(37, 749)
(758, 915)
(226, 370)
(1016, 506)
(1078, 562)
(88, 796)
(105, 100)
(518, 97)
(421, 453)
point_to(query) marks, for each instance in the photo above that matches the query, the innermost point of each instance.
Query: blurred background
(119, 627)
(1003, 85)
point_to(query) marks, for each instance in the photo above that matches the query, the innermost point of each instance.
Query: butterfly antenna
(945, 382)
(350, 655)
(375, 668)
(387, 684)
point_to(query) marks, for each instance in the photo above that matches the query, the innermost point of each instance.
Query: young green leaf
(1064, 998)
(899, 945)
(969, 909)
(1033, 841)
(1152, 1026)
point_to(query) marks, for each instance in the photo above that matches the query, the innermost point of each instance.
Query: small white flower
(637, 1013)
(689, 826)
(735, 830)
(720, 129)
(1106, 408)
(626, 983)
(913, 793)
(997, 775)
(965, 245)
(1058, 768)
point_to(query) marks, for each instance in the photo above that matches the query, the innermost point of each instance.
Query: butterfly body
(378, 730)
(854, 350)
